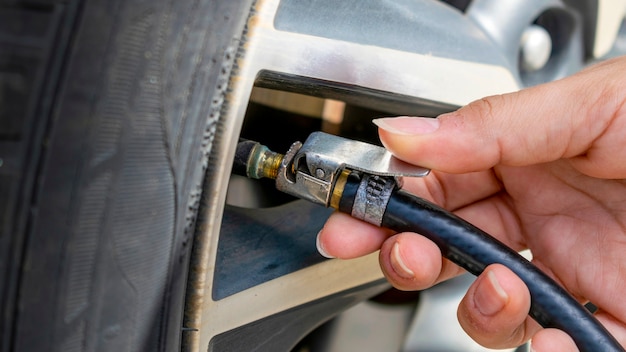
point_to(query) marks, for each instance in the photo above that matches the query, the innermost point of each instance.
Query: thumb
(579, 118)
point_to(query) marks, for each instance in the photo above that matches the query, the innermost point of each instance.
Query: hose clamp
(372, 197)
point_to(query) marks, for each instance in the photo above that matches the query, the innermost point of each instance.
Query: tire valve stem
(255, 160)
(312, 170)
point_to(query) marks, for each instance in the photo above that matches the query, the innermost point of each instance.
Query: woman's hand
(543, 169)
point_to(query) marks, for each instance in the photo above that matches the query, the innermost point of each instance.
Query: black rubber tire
(107, 118)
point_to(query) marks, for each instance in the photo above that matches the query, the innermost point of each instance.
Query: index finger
(345, 237)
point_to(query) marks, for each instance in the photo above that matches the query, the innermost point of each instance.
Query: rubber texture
(473, 249)
(242, 155)
(107, 120)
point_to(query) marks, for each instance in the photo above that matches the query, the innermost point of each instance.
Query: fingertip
(398, 263)
(345, 237)
(495, 309)
(320, 246)
(410, 262)
(489, 297)
(406, 137)
(447, 143)
(407, 125)
(552, 340)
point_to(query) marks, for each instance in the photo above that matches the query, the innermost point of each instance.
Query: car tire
(108, 112)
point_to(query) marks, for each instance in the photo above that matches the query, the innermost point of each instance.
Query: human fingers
(494, 312)
(552, 340)
(580, 118)
(412, 262)
(344, 237)
(408, 260)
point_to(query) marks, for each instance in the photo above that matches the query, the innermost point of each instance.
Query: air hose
(317, 172)
(473, 249)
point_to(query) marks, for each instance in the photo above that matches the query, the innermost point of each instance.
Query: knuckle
(485, 108)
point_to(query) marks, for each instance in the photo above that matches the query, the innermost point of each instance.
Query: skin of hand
(544, 169)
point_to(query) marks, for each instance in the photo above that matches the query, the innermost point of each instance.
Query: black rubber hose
(242, 156)
(473, 249)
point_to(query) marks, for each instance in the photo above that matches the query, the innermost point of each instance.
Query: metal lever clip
(310, 170)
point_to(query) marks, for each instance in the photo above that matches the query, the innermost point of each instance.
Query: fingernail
(398, 264)
(320, 248)
(407, 125)
(490, 297)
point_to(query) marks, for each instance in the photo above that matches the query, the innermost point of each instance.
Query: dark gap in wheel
(278, 128)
